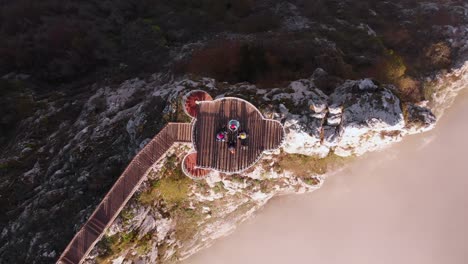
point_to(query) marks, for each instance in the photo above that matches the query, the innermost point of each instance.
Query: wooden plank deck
(123, 189)
(213, 116)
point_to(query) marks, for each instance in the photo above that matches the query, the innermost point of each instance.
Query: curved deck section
(191, 100)
(122, 191)
(213, 116)
(189, 167)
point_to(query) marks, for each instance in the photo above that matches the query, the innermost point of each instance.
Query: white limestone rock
(148, 224)
(303, 136)
(358, 117)
(367, 111)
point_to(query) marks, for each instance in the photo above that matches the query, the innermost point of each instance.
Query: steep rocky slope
(315, 71)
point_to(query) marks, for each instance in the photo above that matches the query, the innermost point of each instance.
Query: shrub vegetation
(172, 186)
(307, 166)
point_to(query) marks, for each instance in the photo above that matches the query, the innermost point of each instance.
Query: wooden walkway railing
(122, 191)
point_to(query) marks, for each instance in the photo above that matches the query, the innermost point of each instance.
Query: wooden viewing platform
(122, 191)
(212, 116)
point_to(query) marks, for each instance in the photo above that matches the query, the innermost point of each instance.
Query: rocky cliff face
(359, 116)
(67, 147)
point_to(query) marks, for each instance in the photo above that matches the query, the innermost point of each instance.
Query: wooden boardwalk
(122, 191)
(213, 116)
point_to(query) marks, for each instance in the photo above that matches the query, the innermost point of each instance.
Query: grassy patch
(143, 248)
(219, 187)
(144, 245)
(305, 166)
(174, 190)
(111, 245)
(172, 185)
(187, 222)
(126, 215)
(106, 247)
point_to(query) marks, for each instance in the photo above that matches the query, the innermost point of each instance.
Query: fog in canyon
(406, 204)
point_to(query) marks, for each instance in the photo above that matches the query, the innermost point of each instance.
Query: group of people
(233, 126)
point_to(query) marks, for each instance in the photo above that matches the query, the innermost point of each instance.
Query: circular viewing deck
(213, 116)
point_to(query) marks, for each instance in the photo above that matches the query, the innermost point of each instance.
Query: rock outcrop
(359, 116)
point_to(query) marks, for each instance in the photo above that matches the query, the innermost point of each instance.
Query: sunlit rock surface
(359, 116)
